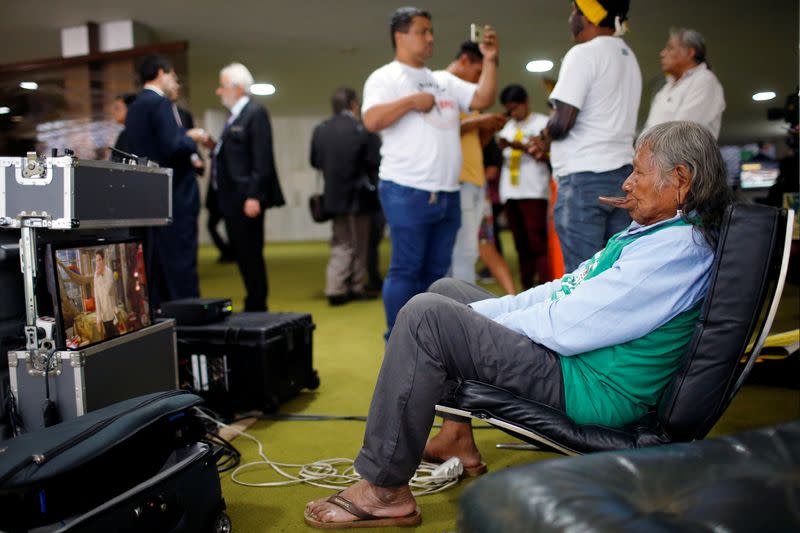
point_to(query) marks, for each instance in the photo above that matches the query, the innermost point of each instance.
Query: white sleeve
(507, 132)
(376, 91)
(494, 307)
(461, 90)
(575, 77)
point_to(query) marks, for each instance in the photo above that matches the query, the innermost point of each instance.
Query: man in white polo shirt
(417, 114)
(596, 102)
(692, 91)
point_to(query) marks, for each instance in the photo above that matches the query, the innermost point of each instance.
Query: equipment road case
(83, 380)
(68, 193)
(248, 361)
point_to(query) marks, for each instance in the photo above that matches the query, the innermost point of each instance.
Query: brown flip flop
(365, 519)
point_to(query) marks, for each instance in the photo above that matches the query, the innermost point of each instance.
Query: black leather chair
(737, 483)
(748, 274)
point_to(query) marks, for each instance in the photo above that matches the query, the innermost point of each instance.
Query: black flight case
(248, 361)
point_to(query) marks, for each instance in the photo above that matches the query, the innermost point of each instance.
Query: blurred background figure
(524, 186)
(692, 91)
(596, 102)
(154, 132)
(342, 150)
(119, 111)
(377, 227)
(490, 248)
(417, 113)
(476, 130)
(244, 175)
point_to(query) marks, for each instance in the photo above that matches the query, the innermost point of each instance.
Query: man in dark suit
(342, 149)
(243, 172)
(186, 120)
(153, 132)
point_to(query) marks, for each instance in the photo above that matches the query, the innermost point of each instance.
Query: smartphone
(475, 33)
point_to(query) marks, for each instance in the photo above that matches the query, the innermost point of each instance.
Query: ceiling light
(539, 65)
(766, 95)
(30, 85)
(5, 110)
(262, 89)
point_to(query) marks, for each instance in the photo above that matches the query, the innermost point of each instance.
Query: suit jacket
(347, 154)
(120, 144)
(245, 163)
(187, 122)
(154, 133)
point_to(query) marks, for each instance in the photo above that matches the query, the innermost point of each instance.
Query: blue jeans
(584, 225)
(422, 228)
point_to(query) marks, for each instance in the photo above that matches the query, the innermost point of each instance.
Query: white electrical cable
(325, 473)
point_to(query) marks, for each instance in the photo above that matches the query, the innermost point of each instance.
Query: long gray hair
(682, 142)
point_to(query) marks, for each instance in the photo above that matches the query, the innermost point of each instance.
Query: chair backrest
(749, 268)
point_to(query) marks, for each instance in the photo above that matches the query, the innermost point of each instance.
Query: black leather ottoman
(743, 482)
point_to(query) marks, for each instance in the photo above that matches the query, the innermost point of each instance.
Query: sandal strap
(350, 507)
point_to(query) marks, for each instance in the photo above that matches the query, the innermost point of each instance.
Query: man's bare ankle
(391, 495)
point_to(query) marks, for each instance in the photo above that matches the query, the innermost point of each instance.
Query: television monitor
(101, 291)
(759, 174)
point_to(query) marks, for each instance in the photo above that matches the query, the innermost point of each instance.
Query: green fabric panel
(615, 385)
(618, 384)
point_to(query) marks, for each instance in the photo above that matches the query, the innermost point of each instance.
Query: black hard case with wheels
(137, 465)
(248, 361)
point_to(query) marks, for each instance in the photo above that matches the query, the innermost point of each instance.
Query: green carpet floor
(348, 347)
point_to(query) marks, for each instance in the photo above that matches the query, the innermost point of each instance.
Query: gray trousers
(347, 266)
(438, 340)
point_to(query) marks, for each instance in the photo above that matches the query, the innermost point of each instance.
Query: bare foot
(378, 501)
(453, 440)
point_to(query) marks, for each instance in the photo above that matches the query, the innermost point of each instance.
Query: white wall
(291, 139)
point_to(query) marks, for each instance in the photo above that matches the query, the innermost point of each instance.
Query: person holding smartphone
(525, 185)
(417, 114)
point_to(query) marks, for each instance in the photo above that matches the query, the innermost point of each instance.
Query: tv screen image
(102, 292)
(759, 174)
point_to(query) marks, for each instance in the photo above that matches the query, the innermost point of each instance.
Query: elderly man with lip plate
(600, 344)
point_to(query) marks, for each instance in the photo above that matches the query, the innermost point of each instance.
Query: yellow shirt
(472, 154)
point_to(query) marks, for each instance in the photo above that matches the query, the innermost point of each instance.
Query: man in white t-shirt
(524, 186)
(105, 297)
(417, 114)
(692, 91)
(596, 102)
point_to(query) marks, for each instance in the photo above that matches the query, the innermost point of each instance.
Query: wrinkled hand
(489, 44)
(423, 102)
(252, 208)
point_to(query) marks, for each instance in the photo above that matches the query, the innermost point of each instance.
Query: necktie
(177, 115)
(216, 152)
